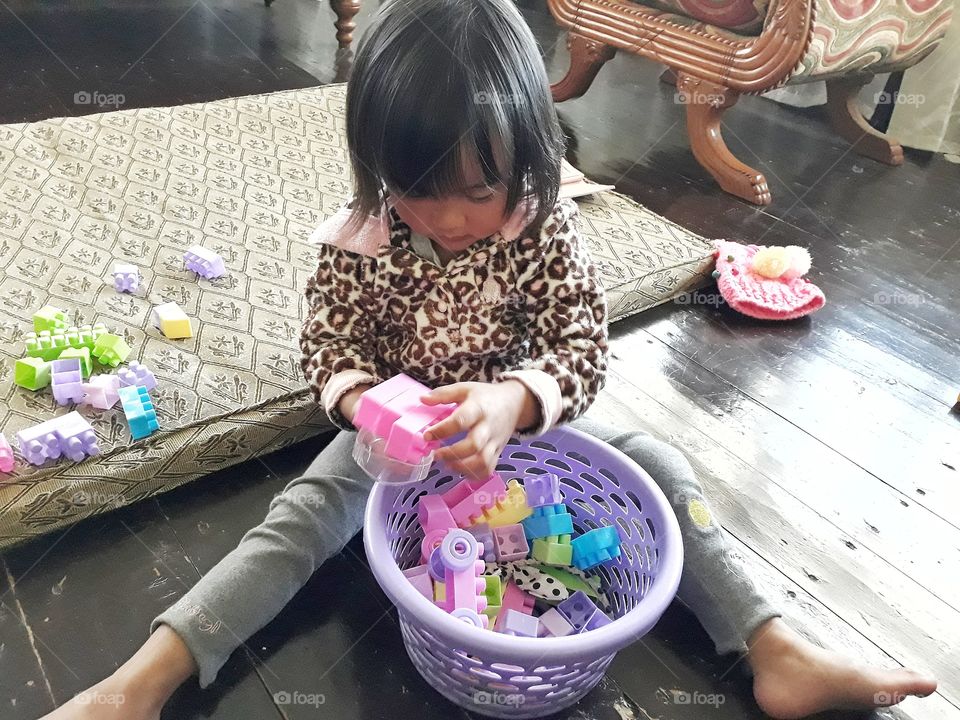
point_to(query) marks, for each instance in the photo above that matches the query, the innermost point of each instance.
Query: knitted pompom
(799, 262)
(771, 262)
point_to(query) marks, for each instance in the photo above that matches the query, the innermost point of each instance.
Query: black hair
(435, 78)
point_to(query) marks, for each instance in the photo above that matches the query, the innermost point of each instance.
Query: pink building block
(511, 543)
(434, 514)
(431, 541)
(468, 501)
(6, 455)
(513, 599)
(136, 374)
(465, 588)
(69, 435)
(100, 391)
(66, 378)
(392, 410)
(420, 579)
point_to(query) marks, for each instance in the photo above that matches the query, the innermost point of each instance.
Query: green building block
(83, 353)
(111, 349)
(493, 592)
(48, 345)
(44, 345)
(31, 373)
(570, 581)
(50, 319)
(553, 550)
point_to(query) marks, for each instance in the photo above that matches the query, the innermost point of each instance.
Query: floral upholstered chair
(721, 49)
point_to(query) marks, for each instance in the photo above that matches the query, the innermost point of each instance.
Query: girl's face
(455, 222)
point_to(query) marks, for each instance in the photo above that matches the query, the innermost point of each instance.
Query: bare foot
(138, 689)
(110, 699)
(794, 678)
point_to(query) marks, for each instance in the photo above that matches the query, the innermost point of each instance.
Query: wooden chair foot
(346, 11)
(705, 103)
(586, 58)
(850, 124)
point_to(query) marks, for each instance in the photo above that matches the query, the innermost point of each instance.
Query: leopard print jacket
(530, 309)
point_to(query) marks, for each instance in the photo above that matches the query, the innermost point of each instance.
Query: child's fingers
(463, 418)
(471, 445)
(447, 394)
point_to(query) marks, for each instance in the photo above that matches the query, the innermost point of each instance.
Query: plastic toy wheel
(459, 550)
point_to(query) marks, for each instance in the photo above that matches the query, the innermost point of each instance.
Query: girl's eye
(485, 198)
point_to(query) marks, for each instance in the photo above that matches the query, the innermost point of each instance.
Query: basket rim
(602, 641)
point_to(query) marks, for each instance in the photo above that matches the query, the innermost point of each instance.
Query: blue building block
(548, 520)
(597, 546)
(138, 407)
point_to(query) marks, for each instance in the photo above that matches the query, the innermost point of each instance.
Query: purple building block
(554, 624)
(518, 623)
(136, 374)
(484, 536)
(542, 490)
(578, 610)
(100, 391)
(204, 262)
(69, 435)
(126, 278)
(6, 455)
(511, 543)
(67, 380)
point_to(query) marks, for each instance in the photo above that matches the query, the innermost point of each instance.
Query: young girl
(473, 278)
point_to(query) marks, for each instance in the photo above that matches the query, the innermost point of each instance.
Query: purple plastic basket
(518, 677)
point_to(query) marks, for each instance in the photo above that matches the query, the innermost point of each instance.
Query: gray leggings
(317, 513)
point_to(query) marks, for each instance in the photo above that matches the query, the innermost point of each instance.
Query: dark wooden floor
(827, 445)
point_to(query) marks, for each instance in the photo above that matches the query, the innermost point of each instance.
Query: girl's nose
(449, 222)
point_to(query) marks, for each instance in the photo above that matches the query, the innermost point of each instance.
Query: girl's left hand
(490, 413)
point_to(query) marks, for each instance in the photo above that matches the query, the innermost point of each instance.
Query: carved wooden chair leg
(706, 103)
(346, 10)
(850, 124)
(586, 58)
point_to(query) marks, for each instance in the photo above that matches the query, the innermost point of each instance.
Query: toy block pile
(62, 358)
(472, 526)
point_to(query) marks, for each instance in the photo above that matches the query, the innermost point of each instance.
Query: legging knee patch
(699, 513)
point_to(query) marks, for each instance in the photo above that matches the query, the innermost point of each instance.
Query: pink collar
(375, 231)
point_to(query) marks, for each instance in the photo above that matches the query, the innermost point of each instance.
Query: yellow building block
(172, 321)
(439, 591)
(511, 510)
